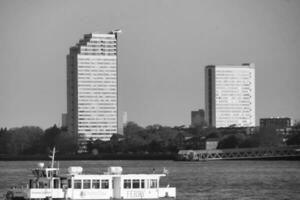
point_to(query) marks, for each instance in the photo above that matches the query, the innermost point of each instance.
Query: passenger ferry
(48, 183)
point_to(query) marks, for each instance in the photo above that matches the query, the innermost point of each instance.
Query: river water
(210, 180)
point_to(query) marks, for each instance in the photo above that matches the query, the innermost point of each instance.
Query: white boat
(48, 183)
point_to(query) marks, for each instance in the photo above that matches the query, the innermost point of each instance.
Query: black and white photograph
(149, 100)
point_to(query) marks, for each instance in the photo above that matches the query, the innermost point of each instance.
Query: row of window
(136, 183)
(99, 114)
(94, 103)
(95, 135)
(95, 93)
(89, 59)
(99, 87)
(109, 40)
(109, 106)
(101, 130)
(87, 184)
(101, 45)
(94, 117)
(93, 77)
(89, 106)
(97, 83)
(99, 74)
(97, 66)
(98, 54)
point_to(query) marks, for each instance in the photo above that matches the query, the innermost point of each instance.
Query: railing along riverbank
(285, 152)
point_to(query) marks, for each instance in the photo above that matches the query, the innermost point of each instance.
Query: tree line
(157, 139)
(31, 140)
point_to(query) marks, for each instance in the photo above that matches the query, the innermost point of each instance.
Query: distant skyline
(164, 48)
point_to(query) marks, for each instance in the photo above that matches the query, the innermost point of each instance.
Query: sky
(163, 50)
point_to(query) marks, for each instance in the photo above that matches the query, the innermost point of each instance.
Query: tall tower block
(92, 88)
(230, 95)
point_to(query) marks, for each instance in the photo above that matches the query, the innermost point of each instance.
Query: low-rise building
(236, 130)
(198, 118)
(211, 143)
(275, 122)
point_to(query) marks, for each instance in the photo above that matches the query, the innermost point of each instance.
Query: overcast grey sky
(164, 48)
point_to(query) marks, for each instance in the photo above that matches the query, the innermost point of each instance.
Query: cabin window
(31, 184)
(56, 183)
(104, 184)
(96, 184)
(77, 184)
(69, 183)
(86, 184)
(127, 183)
(41, 185)
(135, 183)
(153, 183)
(54, 173)
(142, 183)
(63, 183)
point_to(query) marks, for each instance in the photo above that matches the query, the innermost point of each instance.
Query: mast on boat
(52, 157)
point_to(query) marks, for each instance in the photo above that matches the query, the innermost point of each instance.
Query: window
(135, 183)
(104, 184)
(153, 183)
(77, 184)
(55, 183)
(127, 183)
(86, 184)
(69, 183)
(142, 183)
(96, 184)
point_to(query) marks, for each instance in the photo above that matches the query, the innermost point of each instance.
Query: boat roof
(107, 176)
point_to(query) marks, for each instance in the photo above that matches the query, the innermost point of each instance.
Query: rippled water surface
(244, 180)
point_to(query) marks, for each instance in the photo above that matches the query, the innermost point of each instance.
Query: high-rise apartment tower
(92, 88)
(230, 95)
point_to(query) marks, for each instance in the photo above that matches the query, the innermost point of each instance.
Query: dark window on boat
(56, 183)
(63, 183)
(32, 184)
(104, 184)
(135, 183)
(86, 184)
(96, 184)
(69, 183)
(127, 183)
(41, 185)
(54, 173)
(142, 183)
(153, 183)
(77, 184)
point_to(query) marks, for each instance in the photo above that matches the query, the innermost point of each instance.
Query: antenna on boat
(52, 157)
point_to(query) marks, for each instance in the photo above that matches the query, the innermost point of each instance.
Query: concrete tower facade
(92, 88)
(230, 95)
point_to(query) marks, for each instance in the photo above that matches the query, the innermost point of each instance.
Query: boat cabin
(45, 178)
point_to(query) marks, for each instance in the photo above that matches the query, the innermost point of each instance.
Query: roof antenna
(52, 157)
